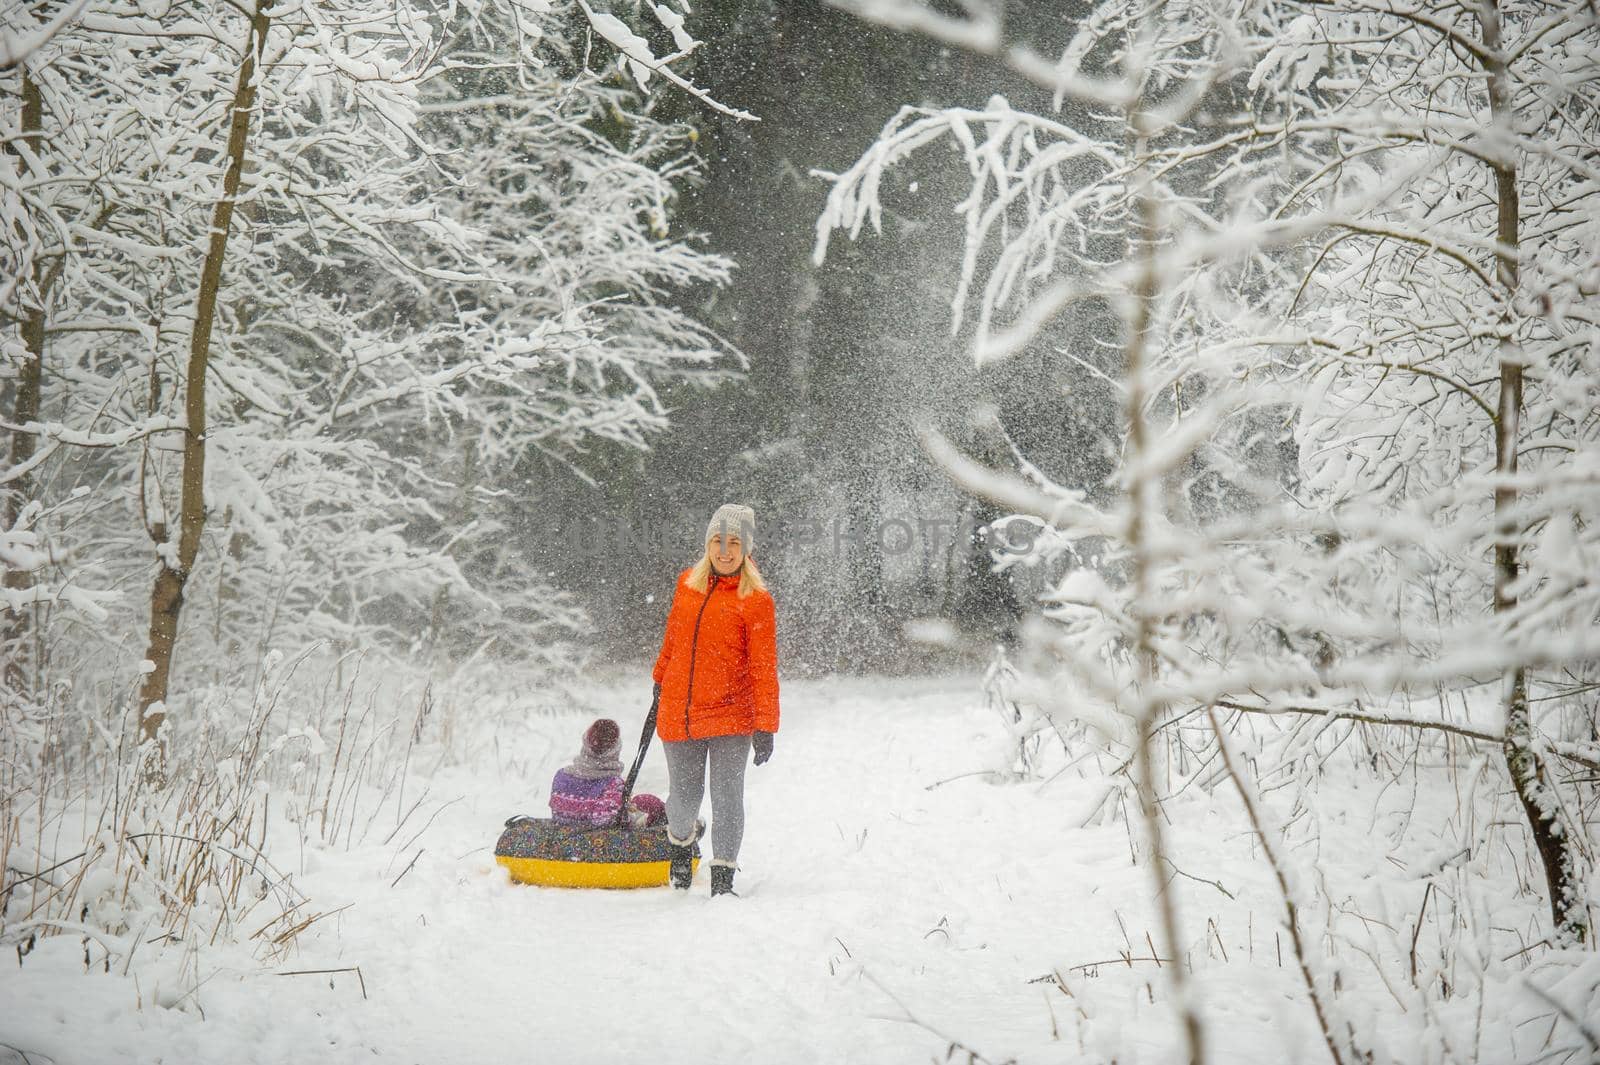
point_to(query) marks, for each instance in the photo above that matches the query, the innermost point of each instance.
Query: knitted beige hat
(734, 519)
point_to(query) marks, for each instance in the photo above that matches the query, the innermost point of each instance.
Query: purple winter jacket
(593, 801)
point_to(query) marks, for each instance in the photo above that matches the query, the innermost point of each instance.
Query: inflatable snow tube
(554, 854)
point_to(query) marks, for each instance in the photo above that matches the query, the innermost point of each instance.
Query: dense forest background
(865, 539)
(805, 402)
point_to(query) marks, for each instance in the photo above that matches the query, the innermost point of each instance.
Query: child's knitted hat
(603, 739)
(647, 810)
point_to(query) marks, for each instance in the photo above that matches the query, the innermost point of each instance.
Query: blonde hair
(750, 579)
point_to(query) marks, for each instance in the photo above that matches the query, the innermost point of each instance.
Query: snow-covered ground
(895, 900)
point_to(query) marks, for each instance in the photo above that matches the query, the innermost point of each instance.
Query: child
(589, 791)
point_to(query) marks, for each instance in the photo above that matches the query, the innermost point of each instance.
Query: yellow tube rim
(547, 873)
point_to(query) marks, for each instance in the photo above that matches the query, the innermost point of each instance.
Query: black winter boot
(680, 871)
(722, 880)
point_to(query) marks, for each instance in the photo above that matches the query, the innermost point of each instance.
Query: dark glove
(761, 742)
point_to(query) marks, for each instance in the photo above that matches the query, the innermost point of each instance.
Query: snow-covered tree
(571, 181)
(1295, 217)
(67, 189)
(1101, 217)
(306, 279)
(1451, 429)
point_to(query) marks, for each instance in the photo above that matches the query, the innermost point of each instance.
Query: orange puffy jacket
(718, 667)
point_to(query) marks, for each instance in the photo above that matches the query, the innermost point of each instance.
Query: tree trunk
(1142, 491)
(166, 598)
(26, 408)
(1562, 869)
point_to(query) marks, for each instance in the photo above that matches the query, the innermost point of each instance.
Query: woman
(716, 692)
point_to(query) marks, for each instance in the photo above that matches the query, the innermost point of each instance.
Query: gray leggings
(686, 774)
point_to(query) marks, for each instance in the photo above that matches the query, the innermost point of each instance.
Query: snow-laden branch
(1581, 754)
(17, 45)
(637, 52)
(981, 33)
(54, 435)
(1057, 506)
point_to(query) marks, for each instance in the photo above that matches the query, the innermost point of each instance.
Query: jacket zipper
(694, 646)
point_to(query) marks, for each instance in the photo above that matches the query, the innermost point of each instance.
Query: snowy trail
(848, 859)
(866, 896)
